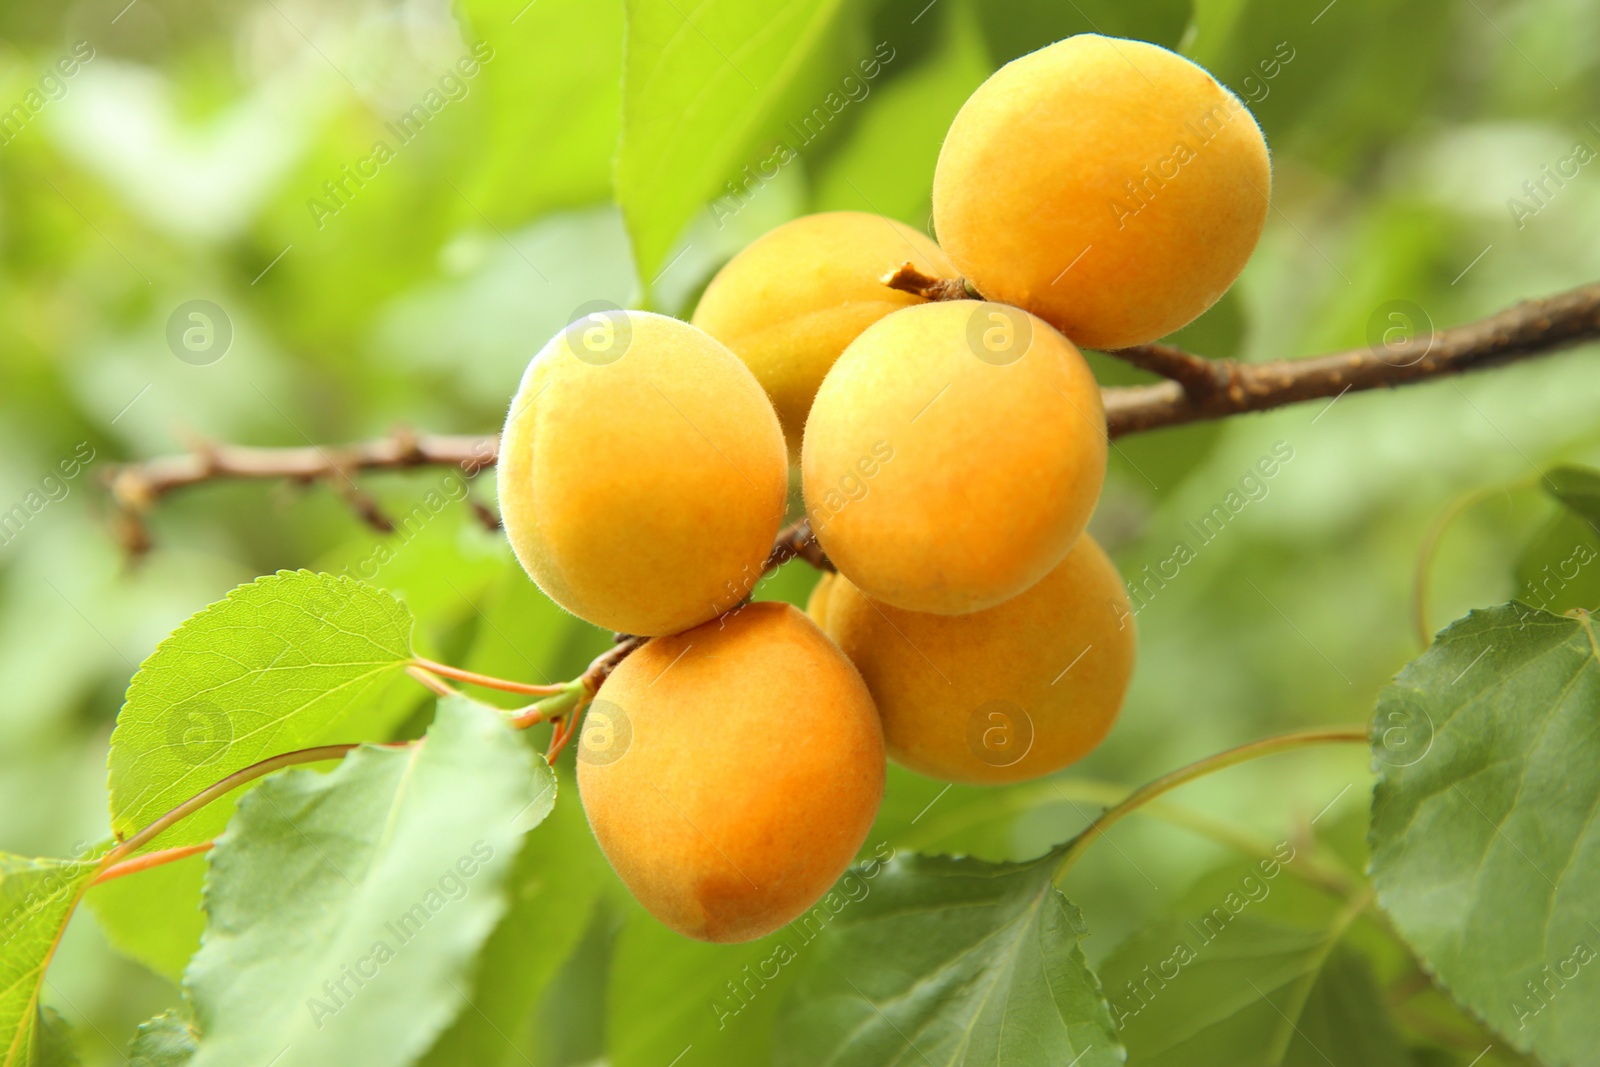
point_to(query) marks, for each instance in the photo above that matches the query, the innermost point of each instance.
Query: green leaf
(345, 909)
(154, 918)
(288, 661)
(1210, 27)
(439, 559)
(551, 102)
(1319, 91)
(570, 1025)
(1556, 571)
(1016, 27)
(951, 961)
(553, 888)
(521, 633)
(1232, 989)
(1578, 488)
(713, 1004)
(886, 163)
(702, 86)
(1345, 1019)
(56, 1047)
(37, 897)
(168, 1040)
(1485, 846)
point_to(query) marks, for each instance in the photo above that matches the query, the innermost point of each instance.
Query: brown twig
(1198, 375)
(797, 540)
(484, 514)
(601, 667)
(137, 487)
(1200, 389)
(1531, 328)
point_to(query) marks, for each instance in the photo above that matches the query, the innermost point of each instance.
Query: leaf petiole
(1199, 769)
(571, 696)
(149, 860)
(217, 790)
(444, 670)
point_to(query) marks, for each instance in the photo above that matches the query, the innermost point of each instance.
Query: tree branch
(1198, 375)
(1531, 328)
(797, 540)
(138, 486)
(1199, 389)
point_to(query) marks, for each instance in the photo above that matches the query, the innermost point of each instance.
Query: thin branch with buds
(1531, 328)
(1197, 389)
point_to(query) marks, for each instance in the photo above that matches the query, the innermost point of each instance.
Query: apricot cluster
(951, 445)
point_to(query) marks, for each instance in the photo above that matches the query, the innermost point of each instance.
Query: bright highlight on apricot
(1111, 187)
(642, 474)
(1015, 692)
(953, 455)
(790, 303)
(732, 772)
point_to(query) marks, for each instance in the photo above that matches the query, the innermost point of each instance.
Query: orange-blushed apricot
(1010, 693)
(642, 474)
(953, 455)
(790, 302)
(1111, 187)
(731, 772)
(817, 602)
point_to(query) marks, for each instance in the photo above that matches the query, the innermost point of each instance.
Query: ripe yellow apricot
(953, 455)
(1111, 187)
(789, 303)
(731, 773)
(1003, 695)
(642, 474)
(817, 602)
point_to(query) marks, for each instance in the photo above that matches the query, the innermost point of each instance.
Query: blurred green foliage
(228, 153)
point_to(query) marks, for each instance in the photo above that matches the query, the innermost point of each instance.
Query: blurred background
(384, 209)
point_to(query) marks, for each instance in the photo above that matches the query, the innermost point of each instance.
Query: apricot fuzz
(789, 303)
(1111, 187)
(642, 474)
(1015, 692)
(953, 455)
(731, 773)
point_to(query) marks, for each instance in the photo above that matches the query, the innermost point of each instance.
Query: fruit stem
(601, 666)
(1199, 769)
(797, 541)
(551, 707)
(568, 706)
(563, 733)
(909, 279)
(487, 681)
(151, 859)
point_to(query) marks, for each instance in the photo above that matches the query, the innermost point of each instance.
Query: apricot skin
(642, 492)
(752, 769)
(817, 602)
(1111, 187)
(939, 480)
(789, 303)
(1000, 695)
